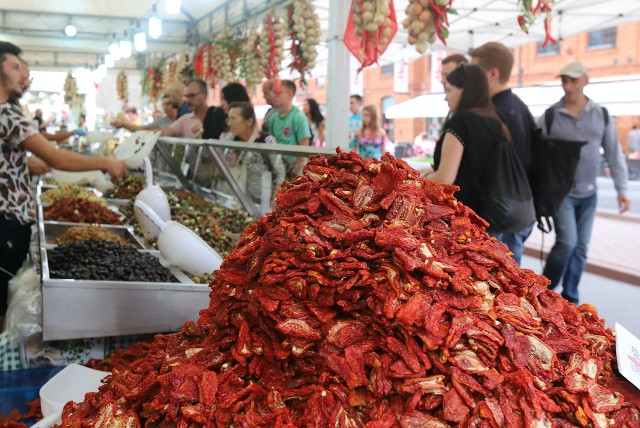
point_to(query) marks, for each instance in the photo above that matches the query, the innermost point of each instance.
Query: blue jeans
(568, 257)
(515, 242)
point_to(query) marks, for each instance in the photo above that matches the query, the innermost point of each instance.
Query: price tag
(628, 354)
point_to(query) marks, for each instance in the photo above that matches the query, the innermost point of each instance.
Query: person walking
(497, 62)
(17, 136)
(355, 118)
(370, 140)
(576, 117)
(633, 139)
(311, 109)
(470, 137)
(289, 125)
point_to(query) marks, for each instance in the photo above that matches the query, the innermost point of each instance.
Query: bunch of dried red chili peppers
(370, 298)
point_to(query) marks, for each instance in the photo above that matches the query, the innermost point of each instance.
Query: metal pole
(338, 76)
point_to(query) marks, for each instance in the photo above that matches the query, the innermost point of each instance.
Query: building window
(602, 39)
(549, 50)
(387, 70)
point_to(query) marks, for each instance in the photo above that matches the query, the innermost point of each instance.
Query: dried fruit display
(371, 298)
(70, 191)
(122, 87)
(220, 227)
(370, 27)
(105, 261)
(304, 34)
(126, 187)
(83, 233)
(80, 211)
(426, 20)
(16, 419)
(272, 44)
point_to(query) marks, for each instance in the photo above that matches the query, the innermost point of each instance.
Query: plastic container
(98, 136)
(137, 147)
(156, 199)
(181, 246)
(18, 387)
(75, 177)
(71, 384)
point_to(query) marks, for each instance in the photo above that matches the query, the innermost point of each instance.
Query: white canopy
(619, 95)
(37, 26)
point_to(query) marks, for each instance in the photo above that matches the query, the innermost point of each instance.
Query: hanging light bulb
(155, 27)
(102, 70)
(140, 41)
(172, 6)
(114, 50)
(109, 61)
(125, 46)
(70, 30)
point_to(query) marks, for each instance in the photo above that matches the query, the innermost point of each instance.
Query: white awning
(620, 97)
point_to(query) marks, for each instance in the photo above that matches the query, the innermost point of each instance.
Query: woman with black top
(215, 121)
(470, 136)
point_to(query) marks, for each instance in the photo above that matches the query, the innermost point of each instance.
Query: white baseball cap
(574, 70)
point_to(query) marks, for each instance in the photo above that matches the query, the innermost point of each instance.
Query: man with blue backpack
(576, 117)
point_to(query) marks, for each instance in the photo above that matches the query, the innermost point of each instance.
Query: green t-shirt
(289, 129)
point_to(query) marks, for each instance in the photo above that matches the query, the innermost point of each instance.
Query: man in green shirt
(289, 125)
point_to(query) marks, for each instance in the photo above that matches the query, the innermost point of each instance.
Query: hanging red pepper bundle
(157, 82)
(272, 44)
(528, 15)
(370, 28)
(440, 10)
(122, 87)
(149, 82)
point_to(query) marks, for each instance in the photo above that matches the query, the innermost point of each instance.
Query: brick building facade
(606, 53)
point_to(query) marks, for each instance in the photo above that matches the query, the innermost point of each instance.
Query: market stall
(368, 295)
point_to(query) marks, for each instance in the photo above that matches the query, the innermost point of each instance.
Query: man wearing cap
(576, 117)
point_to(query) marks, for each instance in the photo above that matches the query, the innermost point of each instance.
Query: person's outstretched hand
(115, 167)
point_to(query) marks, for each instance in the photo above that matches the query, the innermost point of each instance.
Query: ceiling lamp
(140, 41)
(125, 46)
(155, 27)
(172, 6)
(114, 50)
(102, 70)
(109, 61)
(70, 30)
(155, 24)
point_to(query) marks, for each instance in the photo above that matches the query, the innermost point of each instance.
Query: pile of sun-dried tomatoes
(80, 211)
(371, 297)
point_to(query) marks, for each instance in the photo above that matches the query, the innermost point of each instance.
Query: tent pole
(338, 77)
